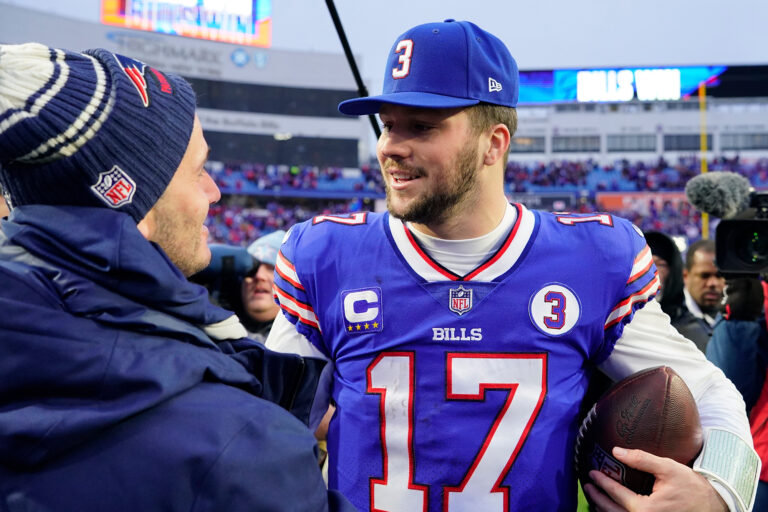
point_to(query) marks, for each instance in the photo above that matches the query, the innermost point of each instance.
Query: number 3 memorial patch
(554, 309)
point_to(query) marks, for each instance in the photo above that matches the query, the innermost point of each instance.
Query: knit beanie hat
(89, 129)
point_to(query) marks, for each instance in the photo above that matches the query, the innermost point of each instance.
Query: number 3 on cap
(405, 46)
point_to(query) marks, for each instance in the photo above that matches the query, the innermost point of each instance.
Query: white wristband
(732, 462)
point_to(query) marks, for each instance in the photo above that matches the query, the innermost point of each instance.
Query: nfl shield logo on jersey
(460, 300)
(115, 187)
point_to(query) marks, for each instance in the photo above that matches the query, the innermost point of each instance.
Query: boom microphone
(720, 194)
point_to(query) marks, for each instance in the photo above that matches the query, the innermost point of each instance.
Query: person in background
(703, 283)
(241, 280)
(464, 330)
(258, 306)
(123, 388)
(669, 263)
(739, 346)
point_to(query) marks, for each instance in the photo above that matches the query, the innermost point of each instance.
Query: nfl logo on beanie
(89, 129)
(115, 187)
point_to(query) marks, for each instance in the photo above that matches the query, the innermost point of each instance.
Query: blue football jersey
(461, 393)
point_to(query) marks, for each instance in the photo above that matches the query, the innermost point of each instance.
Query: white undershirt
(463, 256)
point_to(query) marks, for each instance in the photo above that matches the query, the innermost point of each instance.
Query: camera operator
(241, 281)
(739, 342)
(739, 347)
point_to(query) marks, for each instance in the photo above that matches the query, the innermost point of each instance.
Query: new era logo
(493, 85)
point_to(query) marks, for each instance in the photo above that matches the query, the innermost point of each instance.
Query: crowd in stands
(262, 179)
(559, 175)
(244, 177)
(249, 208)
(239, 220)
(674, 218)
(553, 176)
(623, 175)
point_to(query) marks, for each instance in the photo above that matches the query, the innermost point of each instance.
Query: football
(652, 410)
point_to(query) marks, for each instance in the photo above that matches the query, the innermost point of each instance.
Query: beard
(438, 205)
(179, 237)
(711, 310)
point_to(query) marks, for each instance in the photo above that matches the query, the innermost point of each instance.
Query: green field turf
(582, 502)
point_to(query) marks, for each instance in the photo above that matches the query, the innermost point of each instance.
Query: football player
(464, 330)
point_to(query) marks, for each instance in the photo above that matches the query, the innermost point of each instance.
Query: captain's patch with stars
(362, 310)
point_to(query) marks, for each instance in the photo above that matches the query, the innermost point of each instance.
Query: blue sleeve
(738, 348)
(642, 281)
(297, 384)
(293, 295)
(269, 465)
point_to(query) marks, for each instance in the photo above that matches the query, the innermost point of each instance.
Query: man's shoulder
(345, 223)
(324, 233)
(616, 238)
(26, 283)
(598, 222)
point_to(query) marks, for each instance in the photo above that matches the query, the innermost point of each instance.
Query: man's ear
(499, 144)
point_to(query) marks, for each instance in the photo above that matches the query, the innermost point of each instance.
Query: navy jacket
(113, 394)
(740, 349)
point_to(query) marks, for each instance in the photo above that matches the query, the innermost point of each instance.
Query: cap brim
(372, 104)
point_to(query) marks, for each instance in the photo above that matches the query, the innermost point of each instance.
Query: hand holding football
(652, 410)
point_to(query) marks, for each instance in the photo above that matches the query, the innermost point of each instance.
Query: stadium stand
(260, 198)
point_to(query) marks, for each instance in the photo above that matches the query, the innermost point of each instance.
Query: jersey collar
(491, 269)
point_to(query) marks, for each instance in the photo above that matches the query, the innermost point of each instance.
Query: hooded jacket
(672, 297)
(124, 388)
(740, 349)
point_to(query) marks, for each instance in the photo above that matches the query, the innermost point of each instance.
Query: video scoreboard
(244, 22)
(640, 83)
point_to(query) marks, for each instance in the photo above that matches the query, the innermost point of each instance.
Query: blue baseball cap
(444, 65)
